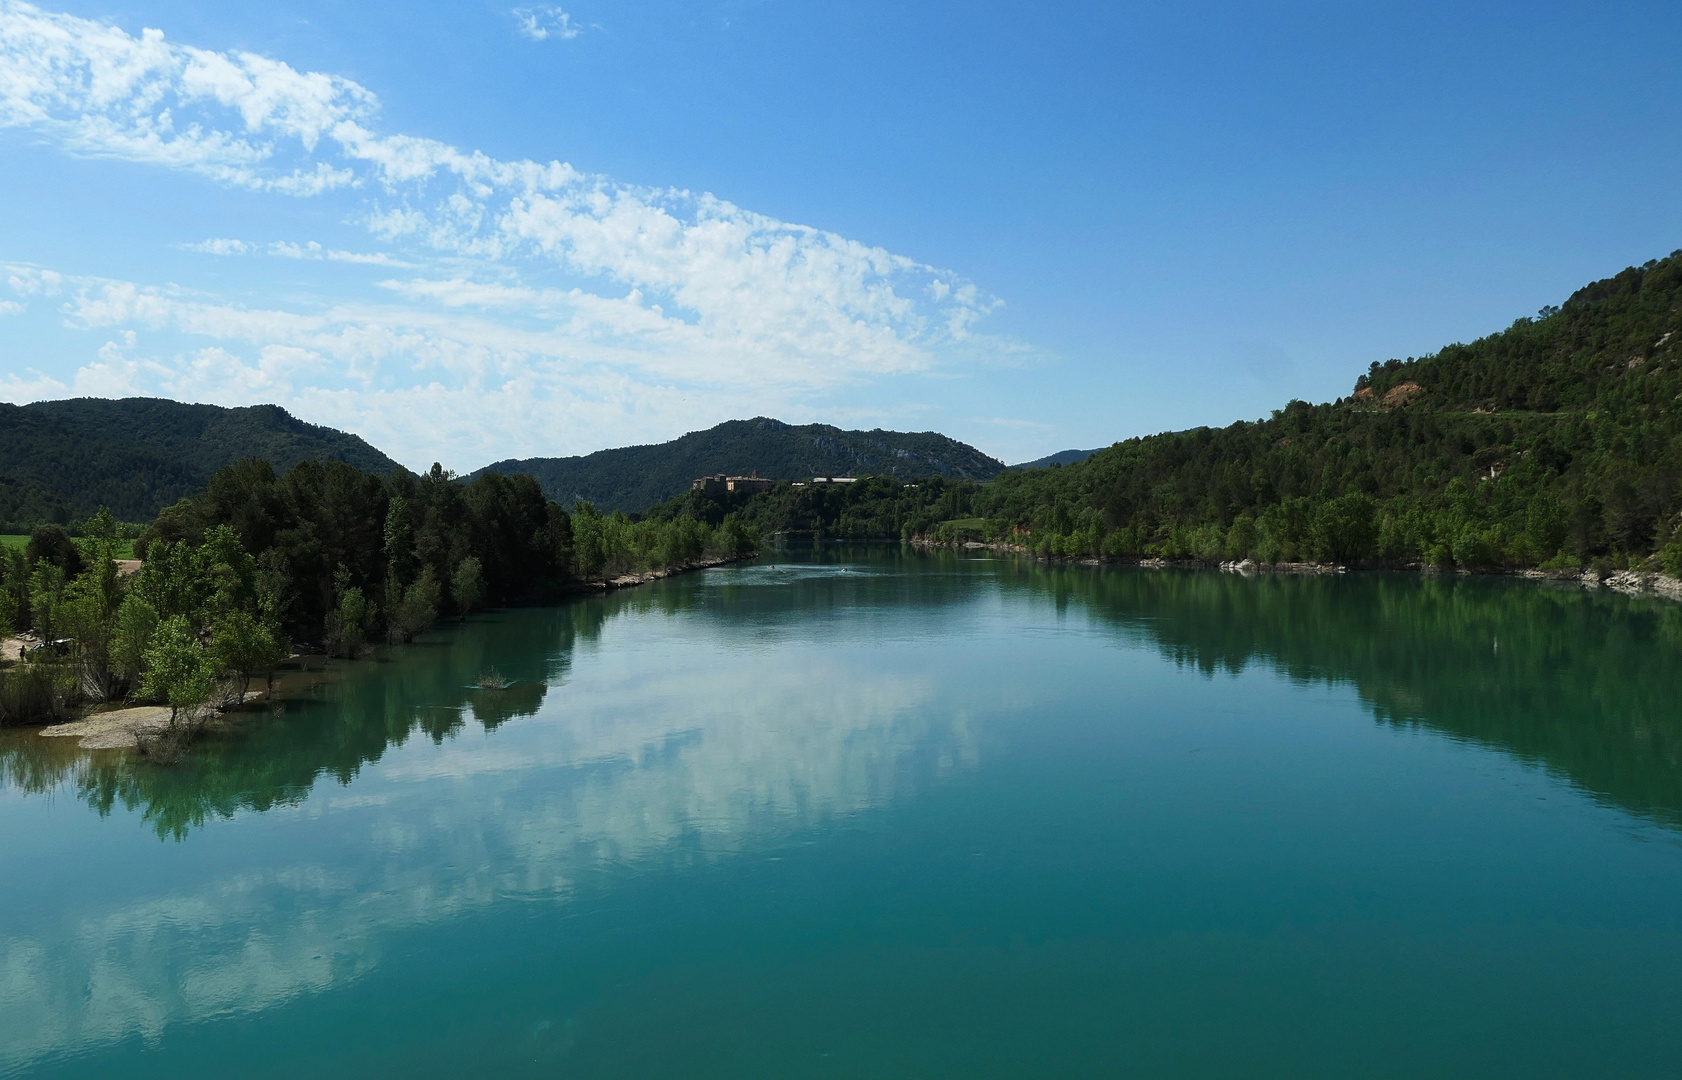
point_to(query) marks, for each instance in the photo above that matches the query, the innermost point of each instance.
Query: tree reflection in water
(1585, 685)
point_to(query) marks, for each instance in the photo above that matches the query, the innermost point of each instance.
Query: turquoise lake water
(864, 813)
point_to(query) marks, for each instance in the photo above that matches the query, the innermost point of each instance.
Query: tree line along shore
(324, 557)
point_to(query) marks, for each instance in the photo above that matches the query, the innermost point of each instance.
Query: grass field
(125, 550)
(971, 524)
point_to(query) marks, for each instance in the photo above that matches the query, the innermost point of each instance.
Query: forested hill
(634, 478)
(62, 460)
(1557, 440)
(1612, 346)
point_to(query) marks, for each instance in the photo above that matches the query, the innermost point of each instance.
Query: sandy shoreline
(119, 729)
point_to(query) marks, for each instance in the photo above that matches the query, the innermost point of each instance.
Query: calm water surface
(870, 814)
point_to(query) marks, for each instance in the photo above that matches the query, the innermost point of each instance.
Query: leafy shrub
(36, 693)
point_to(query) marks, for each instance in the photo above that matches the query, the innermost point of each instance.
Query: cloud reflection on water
(665, 742)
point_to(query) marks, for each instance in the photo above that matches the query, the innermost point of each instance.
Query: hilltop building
(719, 484)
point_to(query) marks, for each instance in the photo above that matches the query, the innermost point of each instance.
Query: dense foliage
(1557, 441)
(872, 508)
(636, 477)
(347, 548)
(323, 554)
(63, 460)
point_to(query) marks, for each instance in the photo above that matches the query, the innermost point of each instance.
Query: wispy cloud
(541, 22)
(286, 249)
(219, 245)
(669, 296)
(451, 369)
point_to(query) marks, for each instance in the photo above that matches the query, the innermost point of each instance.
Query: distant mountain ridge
(1062, 457)
(61, 460)
(635, 478)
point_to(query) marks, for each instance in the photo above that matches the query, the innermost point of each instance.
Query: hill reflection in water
(1585, 684)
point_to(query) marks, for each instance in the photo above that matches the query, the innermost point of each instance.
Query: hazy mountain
(637, 477)
(1062, 457)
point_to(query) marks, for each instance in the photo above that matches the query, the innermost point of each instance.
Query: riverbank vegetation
(1556, 443)
(323, 557)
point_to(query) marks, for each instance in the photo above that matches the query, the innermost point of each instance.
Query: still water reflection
(864, 811)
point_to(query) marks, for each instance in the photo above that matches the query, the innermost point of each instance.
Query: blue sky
(481, 230)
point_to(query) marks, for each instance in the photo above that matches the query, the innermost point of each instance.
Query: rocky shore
(626, 581)
(1632, 582)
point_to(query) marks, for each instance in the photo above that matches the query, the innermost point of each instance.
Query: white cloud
(666, 295)
(104, 93)
(544, 21)
(31, 386)
(218, 246)
(10, 307)
(313, 250)
(33, 281)
(287, 249)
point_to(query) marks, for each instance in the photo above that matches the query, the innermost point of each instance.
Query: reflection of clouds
(132, 971)
(641, 753)
(710, 752)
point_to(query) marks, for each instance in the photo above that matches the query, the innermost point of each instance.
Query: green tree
(50, 543)
(273, 583)
(1241, 538)
(102, 537)
(418, 608)
(46, 596)
(467, 585)
(176, 668)
(589, 545)
(137, 622)
(173, 581)
(346, 626)
(1546, 524)
(229, 573)
(243, 644)
(87, 616)
(736, 538)
(399, 541)
(14, 583)
(1346, 528)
